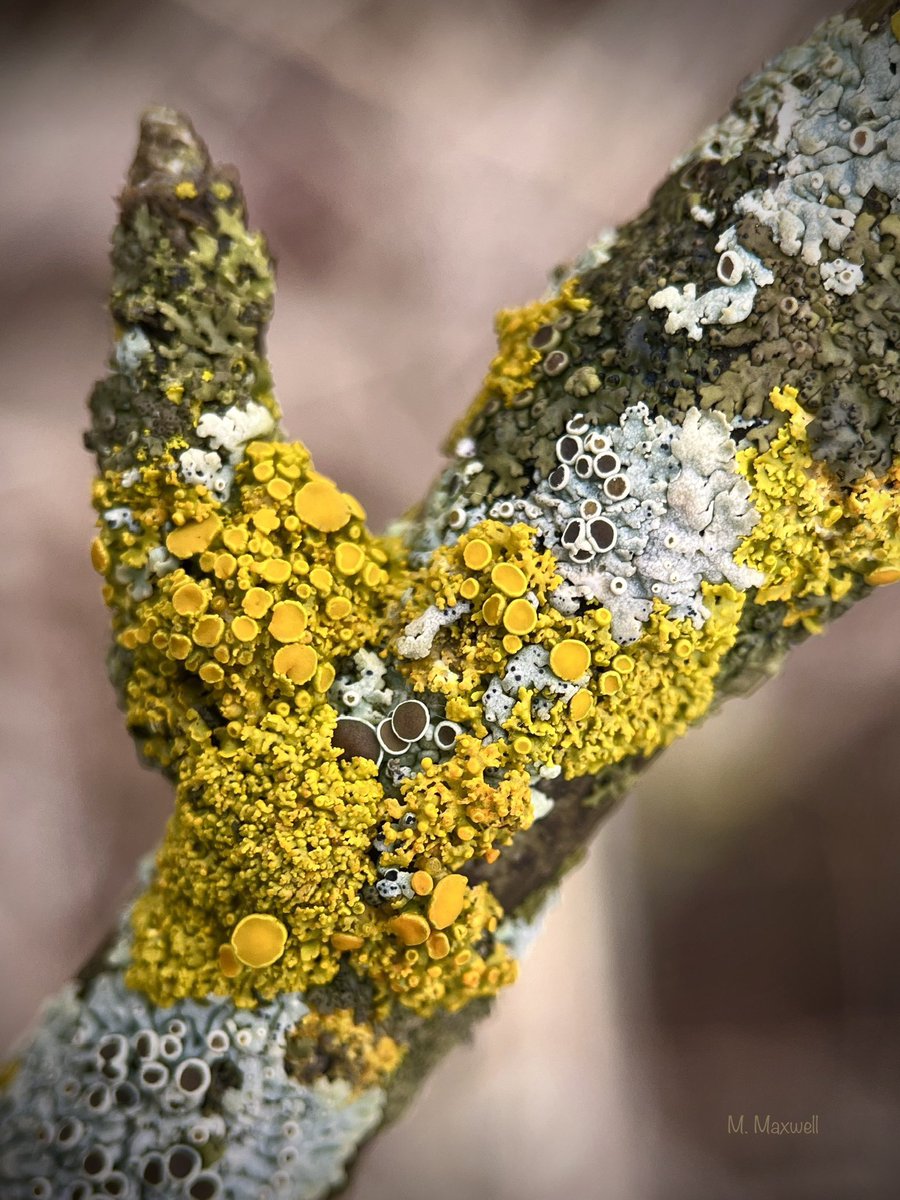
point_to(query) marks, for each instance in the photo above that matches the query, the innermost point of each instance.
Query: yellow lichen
(355, 1053)
(511, 371)
(814, 538)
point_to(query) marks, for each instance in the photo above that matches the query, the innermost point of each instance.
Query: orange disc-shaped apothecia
(297, 662)
(257, 602)
(519, 617)
(208, 631)
(883, 575)
(189, 600)
(186, 540)
(258, 940)
(228, 963)
(510, 579)
(580, 704)
(288, 621)
(346, 941)
(412, 930)
(477, 554)
(349, 558)
(447, 900)
(570, 659)
(320, 504)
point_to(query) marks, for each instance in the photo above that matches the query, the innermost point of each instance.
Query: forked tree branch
(387, 750)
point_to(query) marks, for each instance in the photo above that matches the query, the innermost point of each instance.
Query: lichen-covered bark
(387, 750)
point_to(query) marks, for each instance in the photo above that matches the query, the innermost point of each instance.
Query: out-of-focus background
(732, 944)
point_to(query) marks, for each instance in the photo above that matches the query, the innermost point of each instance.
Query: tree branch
(387, 750)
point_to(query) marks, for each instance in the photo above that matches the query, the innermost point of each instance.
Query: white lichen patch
(117, 1097)
(741, 274)
(232, 429)
(645, 509)
(131, 348)
(205, 467)
(519, 933)
(840, 138)
(596, 253)
(841, 276)
(418, 636)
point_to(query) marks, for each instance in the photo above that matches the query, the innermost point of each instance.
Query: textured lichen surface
(385, 749)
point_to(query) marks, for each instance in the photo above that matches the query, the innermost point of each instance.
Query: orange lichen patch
(570, 659)
(297, 662)
(321, 579)
(447, 900)
(438, 945)
(186, 190)
(194, 537)
(245, 629)
(320, 504)
(257, 602)
(422, 883)
(288, 621)
(520, 617)
(512, 644)
(799, 502)
(208, 631)
(258, 940)
(349, 558)
(469, 589)
(412, 930)
(228, 962)
(883, 575)
(509, 578)
(99, 556)
(580, 704)
(189, 600)
(346, 941)
(477, 554)
(492, 609)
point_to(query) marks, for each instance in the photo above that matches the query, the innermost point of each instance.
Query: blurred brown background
(732, 944)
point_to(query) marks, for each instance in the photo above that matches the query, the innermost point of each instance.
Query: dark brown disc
(388, 738)
(410, 720)
(356, 738)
